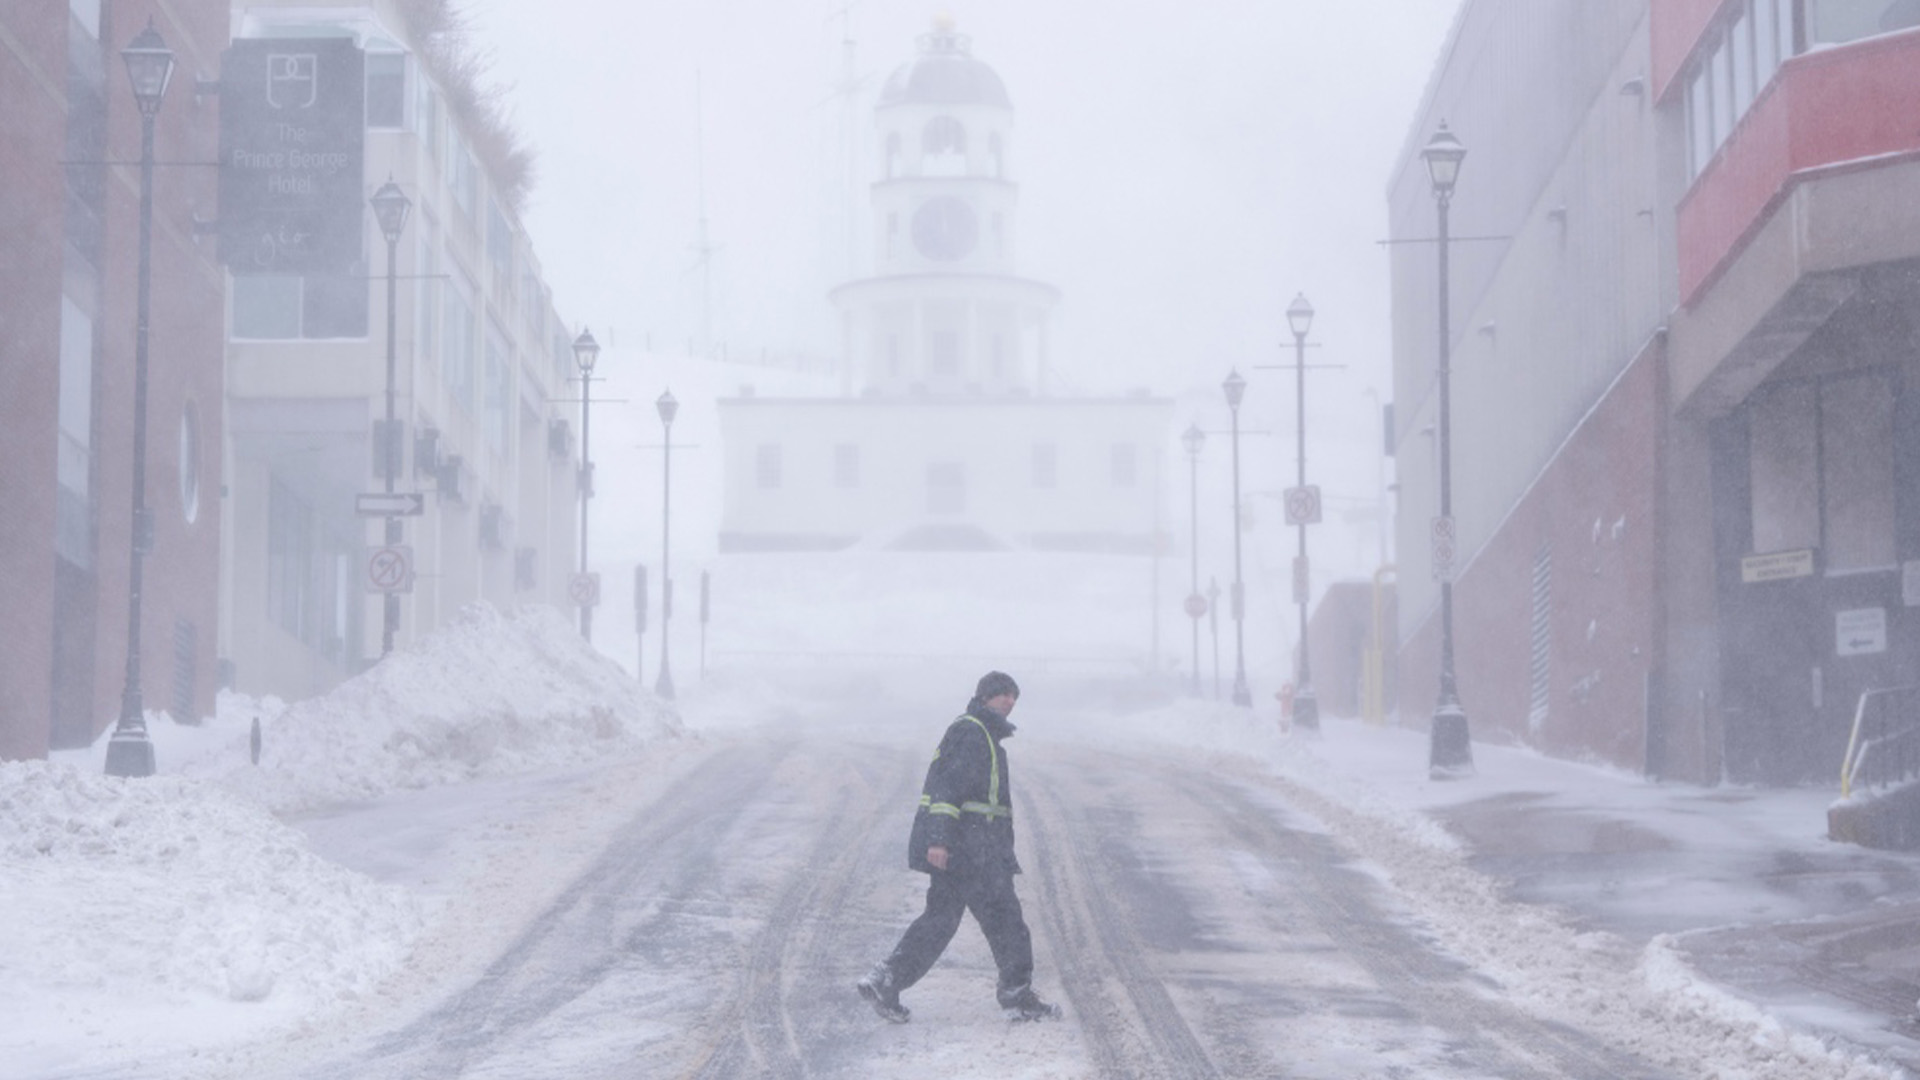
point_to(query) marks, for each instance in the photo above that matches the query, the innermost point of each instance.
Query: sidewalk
(1823, 935)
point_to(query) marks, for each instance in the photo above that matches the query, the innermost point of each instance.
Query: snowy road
(1193, 923)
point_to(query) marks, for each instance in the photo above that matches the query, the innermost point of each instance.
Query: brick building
(70, 137)
(1686, 474)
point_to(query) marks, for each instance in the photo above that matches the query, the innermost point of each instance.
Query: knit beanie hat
(995, 683)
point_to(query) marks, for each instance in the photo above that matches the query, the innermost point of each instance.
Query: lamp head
(1300, 315)
(585, 351)
(1442, 154)
(149, 67)
(667, 407)
(390, 208)
(1236, 388)
(1194, 438)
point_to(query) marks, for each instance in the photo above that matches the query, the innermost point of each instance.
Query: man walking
(962, 840)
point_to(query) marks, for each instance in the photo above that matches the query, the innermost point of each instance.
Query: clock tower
(944, 313)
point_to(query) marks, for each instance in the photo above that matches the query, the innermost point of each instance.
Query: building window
(1045, 465)
(993, 152)
(190, 462)
(846, 465)
(73, 461)
(1833, 22)
(946, 353)
(1783, 460)
(893, 236)
(766, 466)
(88, 14)
(1540, 651)
(1126, 465)
(386, 90)
(893, 155)
(282, 307)
(946, 488)
(462, 348)
(498, 391)
(1733, 66)
(1856, 458)
(426, 299)
(290, 565)
(429, 120)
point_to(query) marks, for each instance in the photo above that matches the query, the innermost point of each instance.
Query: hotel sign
(1777, 566)
(292, 147)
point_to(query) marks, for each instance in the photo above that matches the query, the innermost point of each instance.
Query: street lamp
(1194, 439)
(1306, 708)
(390, 208)
(149, 68)
(1450, 751)
(667, 407)
(586, 352)
(1236, 388)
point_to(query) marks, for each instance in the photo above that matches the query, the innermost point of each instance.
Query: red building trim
(1850, 105)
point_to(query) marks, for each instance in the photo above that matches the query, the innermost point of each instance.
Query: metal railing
(1884, 747)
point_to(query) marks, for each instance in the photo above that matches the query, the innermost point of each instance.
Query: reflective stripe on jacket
(965, 804)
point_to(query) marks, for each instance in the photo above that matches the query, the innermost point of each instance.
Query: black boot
(877, 987)
(1022, 1004)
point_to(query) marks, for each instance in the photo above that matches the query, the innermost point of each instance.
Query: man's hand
(937, 858)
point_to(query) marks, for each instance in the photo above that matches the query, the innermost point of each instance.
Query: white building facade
(481, 389)
(945, 435)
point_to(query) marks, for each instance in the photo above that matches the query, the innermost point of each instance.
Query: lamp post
(1306, 708)
(1194, 439)
(667, 407)
(390, 208)
(586, 352)
(149, 68)
(1450, 751)
(1236, 388)
(1213, 629)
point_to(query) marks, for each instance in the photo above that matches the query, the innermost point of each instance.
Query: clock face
(945, 229)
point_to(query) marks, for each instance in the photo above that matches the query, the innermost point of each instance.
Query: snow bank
(168, 892)
(488, 695)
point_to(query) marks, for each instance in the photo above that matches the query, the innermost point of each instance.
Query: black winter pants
(995, 907)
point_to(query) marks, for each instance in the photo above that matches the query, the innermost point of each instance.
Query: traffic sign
(1303, 505)
(584, 590)
(390, 504)
(390, 569)
(1196, 606)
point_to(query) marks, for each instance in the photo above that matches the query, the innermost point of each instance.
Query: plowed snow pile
(489, 695)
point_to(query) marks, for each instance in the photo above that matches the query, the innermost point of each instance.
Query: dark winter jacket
(966, 805)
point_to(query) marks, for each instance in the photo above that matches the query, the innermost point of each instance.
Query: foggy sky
(1182, 177)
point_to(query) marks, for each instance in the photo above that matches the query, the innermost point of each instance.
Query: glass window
(946, 488)
(1722, 70)
(460, 344)
(429, 120)
(1699, 121)
(1766, 42)
(944, 135)
(76, 396)
(88, 13)
(1740, 44)
(846, 465)
(1832, 22)
(335, 305)
(1783, 21)
(1783, 455)
(427, 292)
(499, 391)
(266, 307)
(767, 465)
(1126, 465)
(946, 353)
(386, 90)
(1046, 457)
(1856, 456)
(290, 571)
